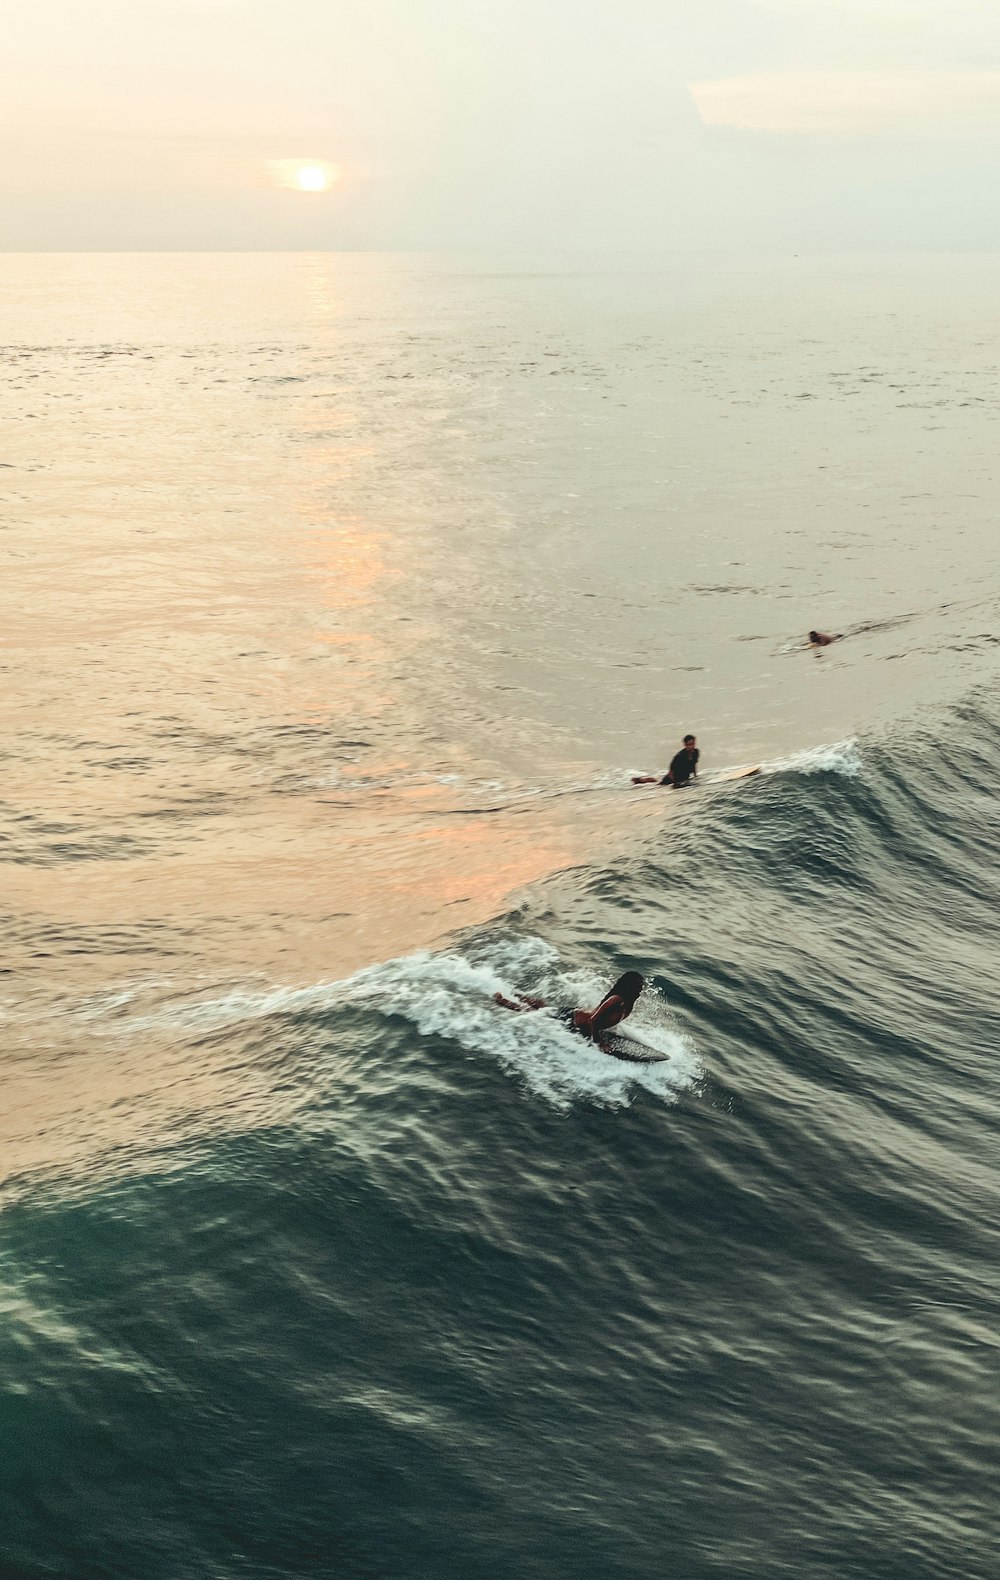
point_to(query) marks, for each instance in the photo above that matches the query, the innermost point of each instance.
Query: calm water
(342, 596)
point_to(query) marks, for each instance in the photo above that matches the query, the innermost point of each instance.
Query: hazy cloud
(853, 103)
(500, 123)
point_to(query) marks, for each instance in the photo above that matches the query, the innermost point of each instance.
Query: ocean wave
(406, 1225)
(448, 994)
(836, 757)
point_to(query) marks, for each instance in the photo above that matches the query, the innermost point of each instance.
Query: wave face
(434, 1289)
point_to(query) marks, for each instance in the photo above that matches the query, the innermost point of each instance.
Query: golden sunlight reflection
(339, 892)
(282, 798)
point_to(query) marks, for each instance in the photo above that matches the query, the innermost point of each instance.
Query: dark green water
(463, 1318)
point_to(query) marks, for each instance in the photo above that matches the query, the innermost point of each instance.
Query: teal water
(313, 1260)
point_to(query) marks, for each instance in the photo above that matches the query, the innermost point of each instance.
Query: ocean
(344, 595)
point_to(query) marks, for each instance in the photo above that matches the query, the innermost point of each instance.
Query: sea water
(343, 595)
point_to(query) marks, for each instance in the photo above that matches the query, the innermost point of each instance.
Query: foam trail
(838, 757)
(450, 995)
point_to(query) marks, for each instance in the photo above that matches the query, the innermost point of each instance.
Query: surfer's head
(628, 987)
(689, 741)
(814, 637)
(617, 1004)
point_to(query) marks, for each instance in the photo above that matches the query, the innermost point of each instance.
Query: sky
(522, 125)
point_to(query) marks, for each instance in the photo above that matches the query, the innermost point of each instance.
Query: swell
(468, 1299)
(839, 907)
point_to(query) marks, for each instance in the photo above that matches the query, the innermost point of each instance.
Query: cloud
(894, 35)
(844, 103)
(957, 12)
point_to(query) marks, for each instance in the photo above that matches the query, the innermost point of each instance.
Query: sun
(303, 175)
(313, 178)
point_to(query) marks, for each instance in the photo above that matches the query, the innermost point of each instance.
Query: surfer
(820, 639)
(683, 768)
(614, 1007)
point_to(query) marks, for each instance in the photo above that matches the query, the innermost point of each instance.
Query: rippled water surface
(343, 595)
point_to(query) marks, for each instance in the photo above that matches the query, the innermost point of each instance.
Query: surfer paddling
(682, 770)
(821, 639)
(614, 1007)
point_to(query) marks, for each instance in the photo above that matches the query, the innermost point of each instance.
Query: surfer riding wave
(614, 1007)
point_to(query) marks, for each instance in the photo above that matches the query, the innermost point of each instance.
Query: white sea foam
(450, 994)
(839, 757)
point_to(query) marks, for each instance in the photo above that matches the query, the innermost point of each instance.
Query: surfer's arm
(603, 1019)
(520, 1004)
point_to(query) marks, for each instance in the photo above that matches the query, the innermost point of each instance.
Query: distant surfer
(821, 639)
(682, 770)
(614, 1007)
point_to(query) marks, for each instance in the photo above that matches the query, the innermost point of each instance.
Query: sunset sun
(304, 175)
(313, 178)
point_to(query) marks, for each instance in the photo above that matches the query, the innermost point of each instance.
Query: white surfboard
(724, 776)
(728, 774)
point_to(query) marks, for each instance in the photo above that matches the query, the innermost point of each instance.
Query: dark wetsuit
(682, 768)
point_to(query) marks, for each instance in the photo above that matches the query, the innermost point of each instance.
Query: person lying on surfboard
(820, 639)
(614, 1007)
(683, 768)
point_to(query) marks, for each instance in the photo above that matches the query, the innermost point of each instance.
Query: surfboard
(630, 1046)
(724, 776)
(729, 774)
